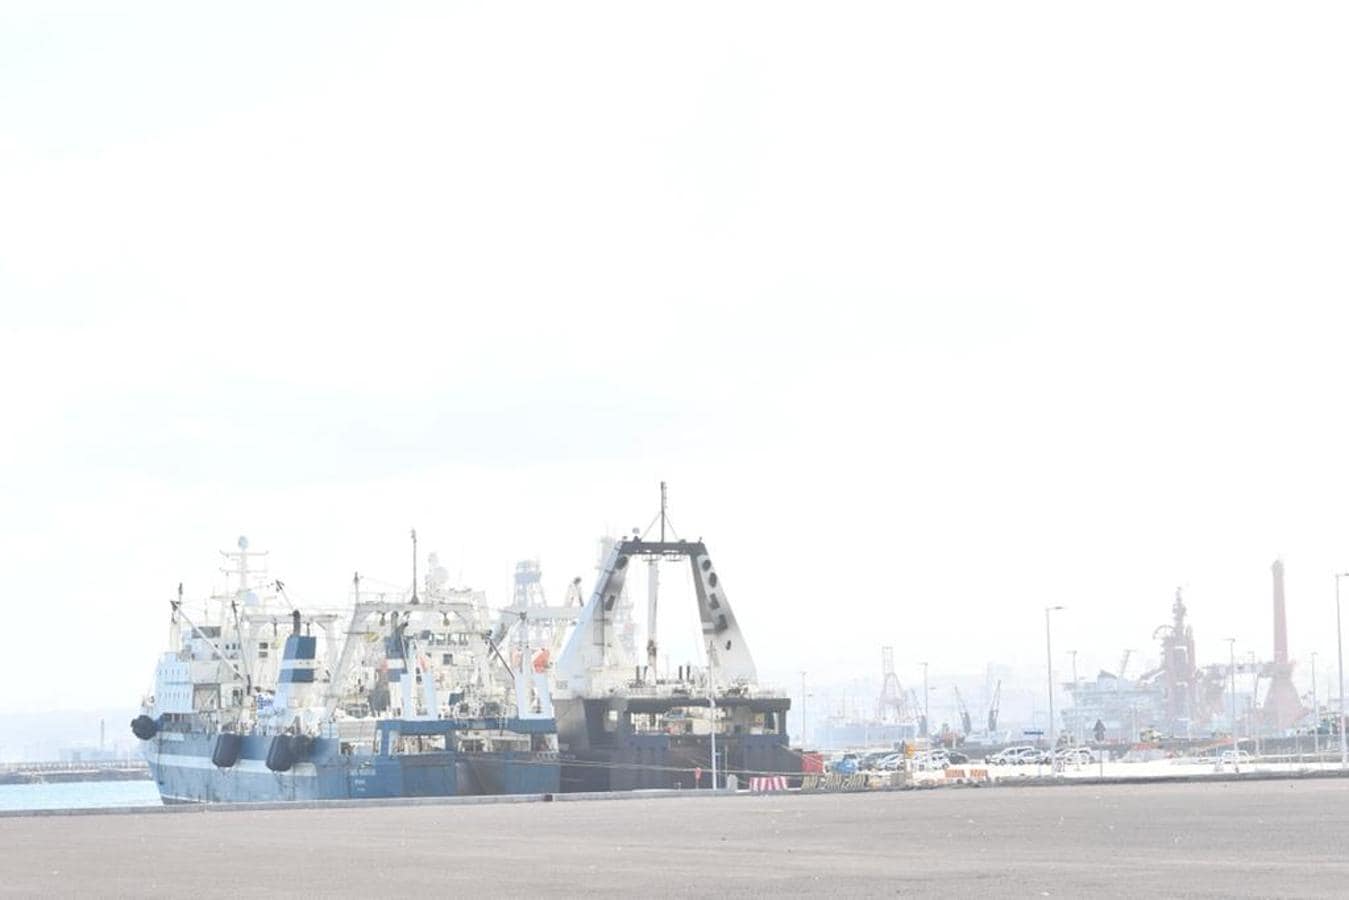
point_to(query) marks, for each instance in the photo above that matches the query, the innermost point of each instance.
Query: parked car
(890, 762)
(874, 759)
(845, 766)
(1014, 756)
(1074, 756)
(927, 762)
(956, 758)
(1003, 757)
(1236, 756)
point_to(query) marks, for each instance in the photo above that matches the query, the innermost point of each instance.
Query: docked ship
(402, 694)
(622, 725)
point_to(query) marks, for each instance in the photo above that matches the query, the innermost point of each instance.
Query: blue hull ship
(227, 768)
(418, 698)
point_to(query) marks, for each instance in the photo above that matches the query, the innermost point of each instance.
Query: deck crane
(965, 726)
(993, 708)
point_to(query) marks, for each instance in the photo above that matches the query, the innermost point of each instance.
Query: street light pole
(712, 700)
(1252, 726)
(1339, 647)
(927, 723)
(1077, 736)
(1049, 674)
(1316, 712)
(803, 710)
(1232, 672)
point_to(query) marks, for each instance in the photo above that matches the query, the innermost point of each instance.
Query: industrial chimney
(1282, 706)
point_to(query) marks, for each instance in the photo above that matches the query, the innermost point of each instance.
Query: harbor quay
(1255, 838)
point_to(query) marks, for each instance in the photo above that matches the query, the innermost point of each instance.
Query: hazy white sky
(932, 314)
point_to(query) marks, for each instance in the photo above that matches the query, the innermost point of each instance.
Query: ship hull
(182, 767)
(600, 758)
(651, 763)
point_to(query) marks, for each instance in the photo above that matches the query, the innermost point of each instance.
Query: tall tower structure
(892, 706)
(1178, 663)
(1282, 706)
(1280, 616)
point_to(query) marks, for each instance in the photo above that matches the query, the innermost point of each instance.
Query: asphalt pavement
(1256, 839)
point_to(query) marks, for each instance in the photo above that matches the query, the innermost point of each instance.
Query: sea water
(79, 795)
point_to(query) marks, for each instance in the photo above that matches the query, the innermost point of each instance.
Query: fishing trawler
(417, 696)
(622, 725)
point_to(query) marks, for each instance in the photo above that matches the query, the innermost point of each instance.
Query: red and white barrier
(764, 784)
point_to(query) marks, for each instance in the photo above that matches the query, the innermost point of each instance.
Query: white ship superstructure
(403, 694)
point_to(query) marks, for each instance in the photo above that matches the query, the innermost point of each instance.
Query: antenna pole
(414, 565)
(652, 597)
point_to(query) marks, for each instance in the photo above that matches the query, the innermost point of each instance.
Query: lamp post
(1339, 649)
(1049, 674)
(803, 710)
(1077, 736)
(1232, 672)
(1252, 724)
(712, 700)
(1316, 712)
(927, 723)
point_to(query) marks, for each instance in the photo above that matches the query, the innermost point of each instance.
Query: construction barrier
(962, 774)
(862, 781)
(764, 784)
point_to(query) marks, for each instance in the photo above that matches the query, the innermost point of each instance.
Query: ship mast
(232, 604)
(414, 566)
(241, 571)
(652, 593)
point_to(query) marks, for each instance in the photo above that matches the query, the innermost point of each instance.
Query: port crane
(893, 705)
(993, 708)
(965, 725)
